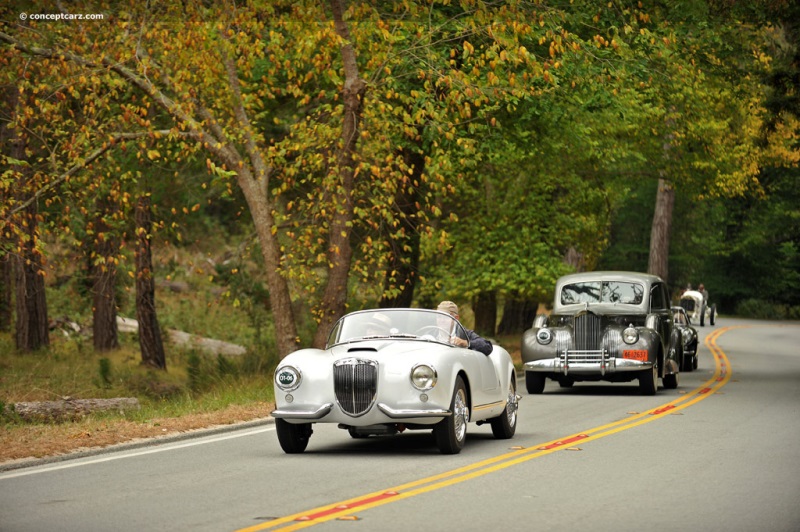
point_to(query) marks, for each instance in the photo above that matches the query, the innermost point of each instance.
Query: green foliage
(8, 414)
(105, 371)
(195, 373)
(765, 310)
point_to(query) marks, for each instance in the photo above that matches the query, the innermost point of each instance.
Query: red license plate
(635, 354)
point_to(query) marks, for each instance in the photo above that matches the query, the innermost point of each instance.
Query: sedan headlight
(423, 377)
(687, 335)
(630, 335)
(288, 378)
(544, 336)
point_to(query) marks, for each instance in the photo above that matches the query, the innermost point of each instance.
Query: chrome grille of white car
(587, 331)
(355, 383)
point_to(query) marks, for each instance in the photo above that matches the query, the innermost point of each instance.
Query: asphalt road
(722, 452)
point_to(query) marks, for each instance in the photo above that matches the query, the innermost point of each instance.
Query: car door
(489, 380)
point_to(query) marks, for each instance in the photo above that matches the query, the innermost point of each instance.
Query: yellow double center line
(345, 509)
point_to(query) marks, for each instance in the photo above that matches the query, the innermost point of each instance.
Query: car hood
(602, 309)
(389, 348)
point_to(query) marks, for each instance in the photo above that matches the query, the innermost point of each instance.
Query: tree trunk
(11, 97)
(658, 263)
(150, 342)
(340, 252)
(104, 277)
(31, 303)
(401, 271)
(485, 308)
(32, 328)
(6, 287)
(518, 315)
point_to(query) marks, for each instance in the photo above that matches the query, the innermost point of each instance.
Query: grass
(171, 401)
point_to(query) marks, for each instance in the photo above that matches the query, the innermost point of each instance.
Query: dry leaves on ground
(38, 441)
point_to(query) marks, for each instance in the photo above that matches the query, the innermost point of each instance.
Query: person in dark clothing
(476, 342)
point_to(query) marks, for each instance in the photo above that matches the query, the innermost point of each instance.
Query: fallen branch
(67, 409)
(184, 339)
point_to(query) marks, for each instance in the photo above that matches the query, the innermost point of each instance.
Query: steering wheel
(433, 328)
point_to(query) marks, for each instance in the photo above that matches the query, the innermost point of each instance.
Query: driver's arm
(478, 343)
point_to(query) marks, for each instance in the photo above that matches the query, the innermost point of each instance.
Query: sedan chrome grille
(588, 331)
(355, 384)
(613, 343)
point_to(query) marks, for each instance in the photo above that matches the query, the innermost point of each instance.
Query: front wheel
(566, 382)
(648, 381)
(505, 425)
(534, 382)
(451, 432)
(293, 438)
(670, 381)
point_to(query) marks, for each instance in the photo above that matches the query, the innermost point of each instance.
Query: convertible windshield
(602, 292)
(420, 324)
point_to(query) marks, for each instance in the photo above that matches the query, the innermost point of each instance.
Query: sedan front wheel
(534, 382)
(648, 381)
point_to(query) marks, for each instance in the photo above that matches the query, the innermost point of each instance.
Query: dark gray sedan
(610, 326)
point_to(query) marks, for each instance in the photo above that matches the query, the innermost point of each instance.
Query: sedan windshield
(418, 324)
(602, 292)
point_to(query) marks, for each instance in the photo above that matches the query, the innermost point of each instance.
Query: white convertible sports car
(389, 370)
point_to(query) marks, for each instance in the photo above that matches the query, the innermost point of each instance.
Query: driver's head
(449, 307)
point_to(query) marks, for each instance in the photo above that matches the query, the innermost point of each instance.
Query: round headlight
(630, 335)
(287, 378)
(544, 336)
(423, 377)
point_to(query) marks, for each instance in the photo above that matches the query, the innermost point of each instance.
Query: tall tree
(150, 341)
(340, 252)
(32, 328)
(103, 272)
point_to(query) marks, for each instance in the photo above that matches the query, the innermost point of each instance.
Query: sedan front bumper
(586, 363)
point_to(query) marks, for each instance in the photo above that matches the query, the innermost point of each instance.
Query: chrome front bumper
(392, 413)
(319, 413)
(406, 413)
(586, 362)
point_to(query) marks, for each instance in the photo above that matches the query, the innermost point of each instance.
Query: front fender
(649, 340)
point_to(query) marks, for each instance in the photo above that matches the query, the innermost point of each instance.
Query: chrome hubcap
(511, 409)
(461, 415)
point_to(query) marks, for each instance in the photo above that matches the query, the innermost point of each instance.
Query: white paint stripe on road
(156, 448)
